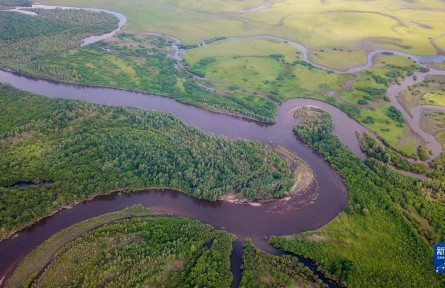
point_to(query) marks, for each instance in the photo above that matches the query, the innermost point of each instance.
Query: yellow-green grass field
(436, 97)
(218, 6)
(356, 25)
(262, 64)
(338, 58)
(431, 92)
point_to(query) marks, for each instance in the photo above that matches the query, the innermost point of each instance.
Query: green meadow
(355, 25)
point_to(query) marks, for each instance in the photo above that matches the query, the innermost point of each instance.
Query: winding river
(242, 220)
(413, 116)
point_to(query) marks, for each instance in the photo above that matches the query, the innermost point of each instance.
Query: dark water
(242, 220)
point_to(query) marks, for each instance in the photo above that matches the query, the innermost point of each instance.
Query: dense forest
(261, 270)
(386, 234)
(141, 252)
(87, 149)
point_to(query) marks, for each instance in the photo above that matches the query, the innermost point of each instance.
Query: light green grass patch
(218, 6)
(256, 66)
(436, 97)
(244, 48)
(338, 58)
(383, 24)
(319, 80)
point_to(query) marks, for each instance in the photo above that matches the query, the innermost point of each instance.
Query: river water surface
(242, 220)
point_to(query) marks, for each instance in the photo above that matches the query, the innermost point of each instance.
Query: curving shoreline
(244, 220)
(422, 59)
(256, 222)
(413, 116)
(369, 58)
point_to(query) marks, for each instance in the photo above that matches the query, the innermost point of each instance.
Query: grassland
(128, 62)
(368, 94)
(344, 58)
(276, 72)
(384, 238)
(167, 252)
(433, 122)
(434, 97)
(429, 92)
(270, 67)
(89, 149)
(355, 25)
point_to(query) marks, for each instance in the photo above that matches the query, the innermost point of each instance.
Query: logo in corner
(439, 258)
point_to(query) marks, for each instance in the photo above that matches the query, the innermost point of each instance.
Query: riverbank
(35, 262)
(180, 238)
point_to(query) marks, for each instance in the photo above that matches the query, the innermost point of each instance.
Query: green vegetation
(24, 38)
(262, 270)
(275, 71)
(143, 63)
(271, 68)
(341, 24)
(136, 252)
(383, 238)
(89, 149)
(434, 97)
(374, 149)
(386, 234)
(423, 153)
(375, 111)
(42, 255)
(429, 92)
(250, 77)
(127, 61)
